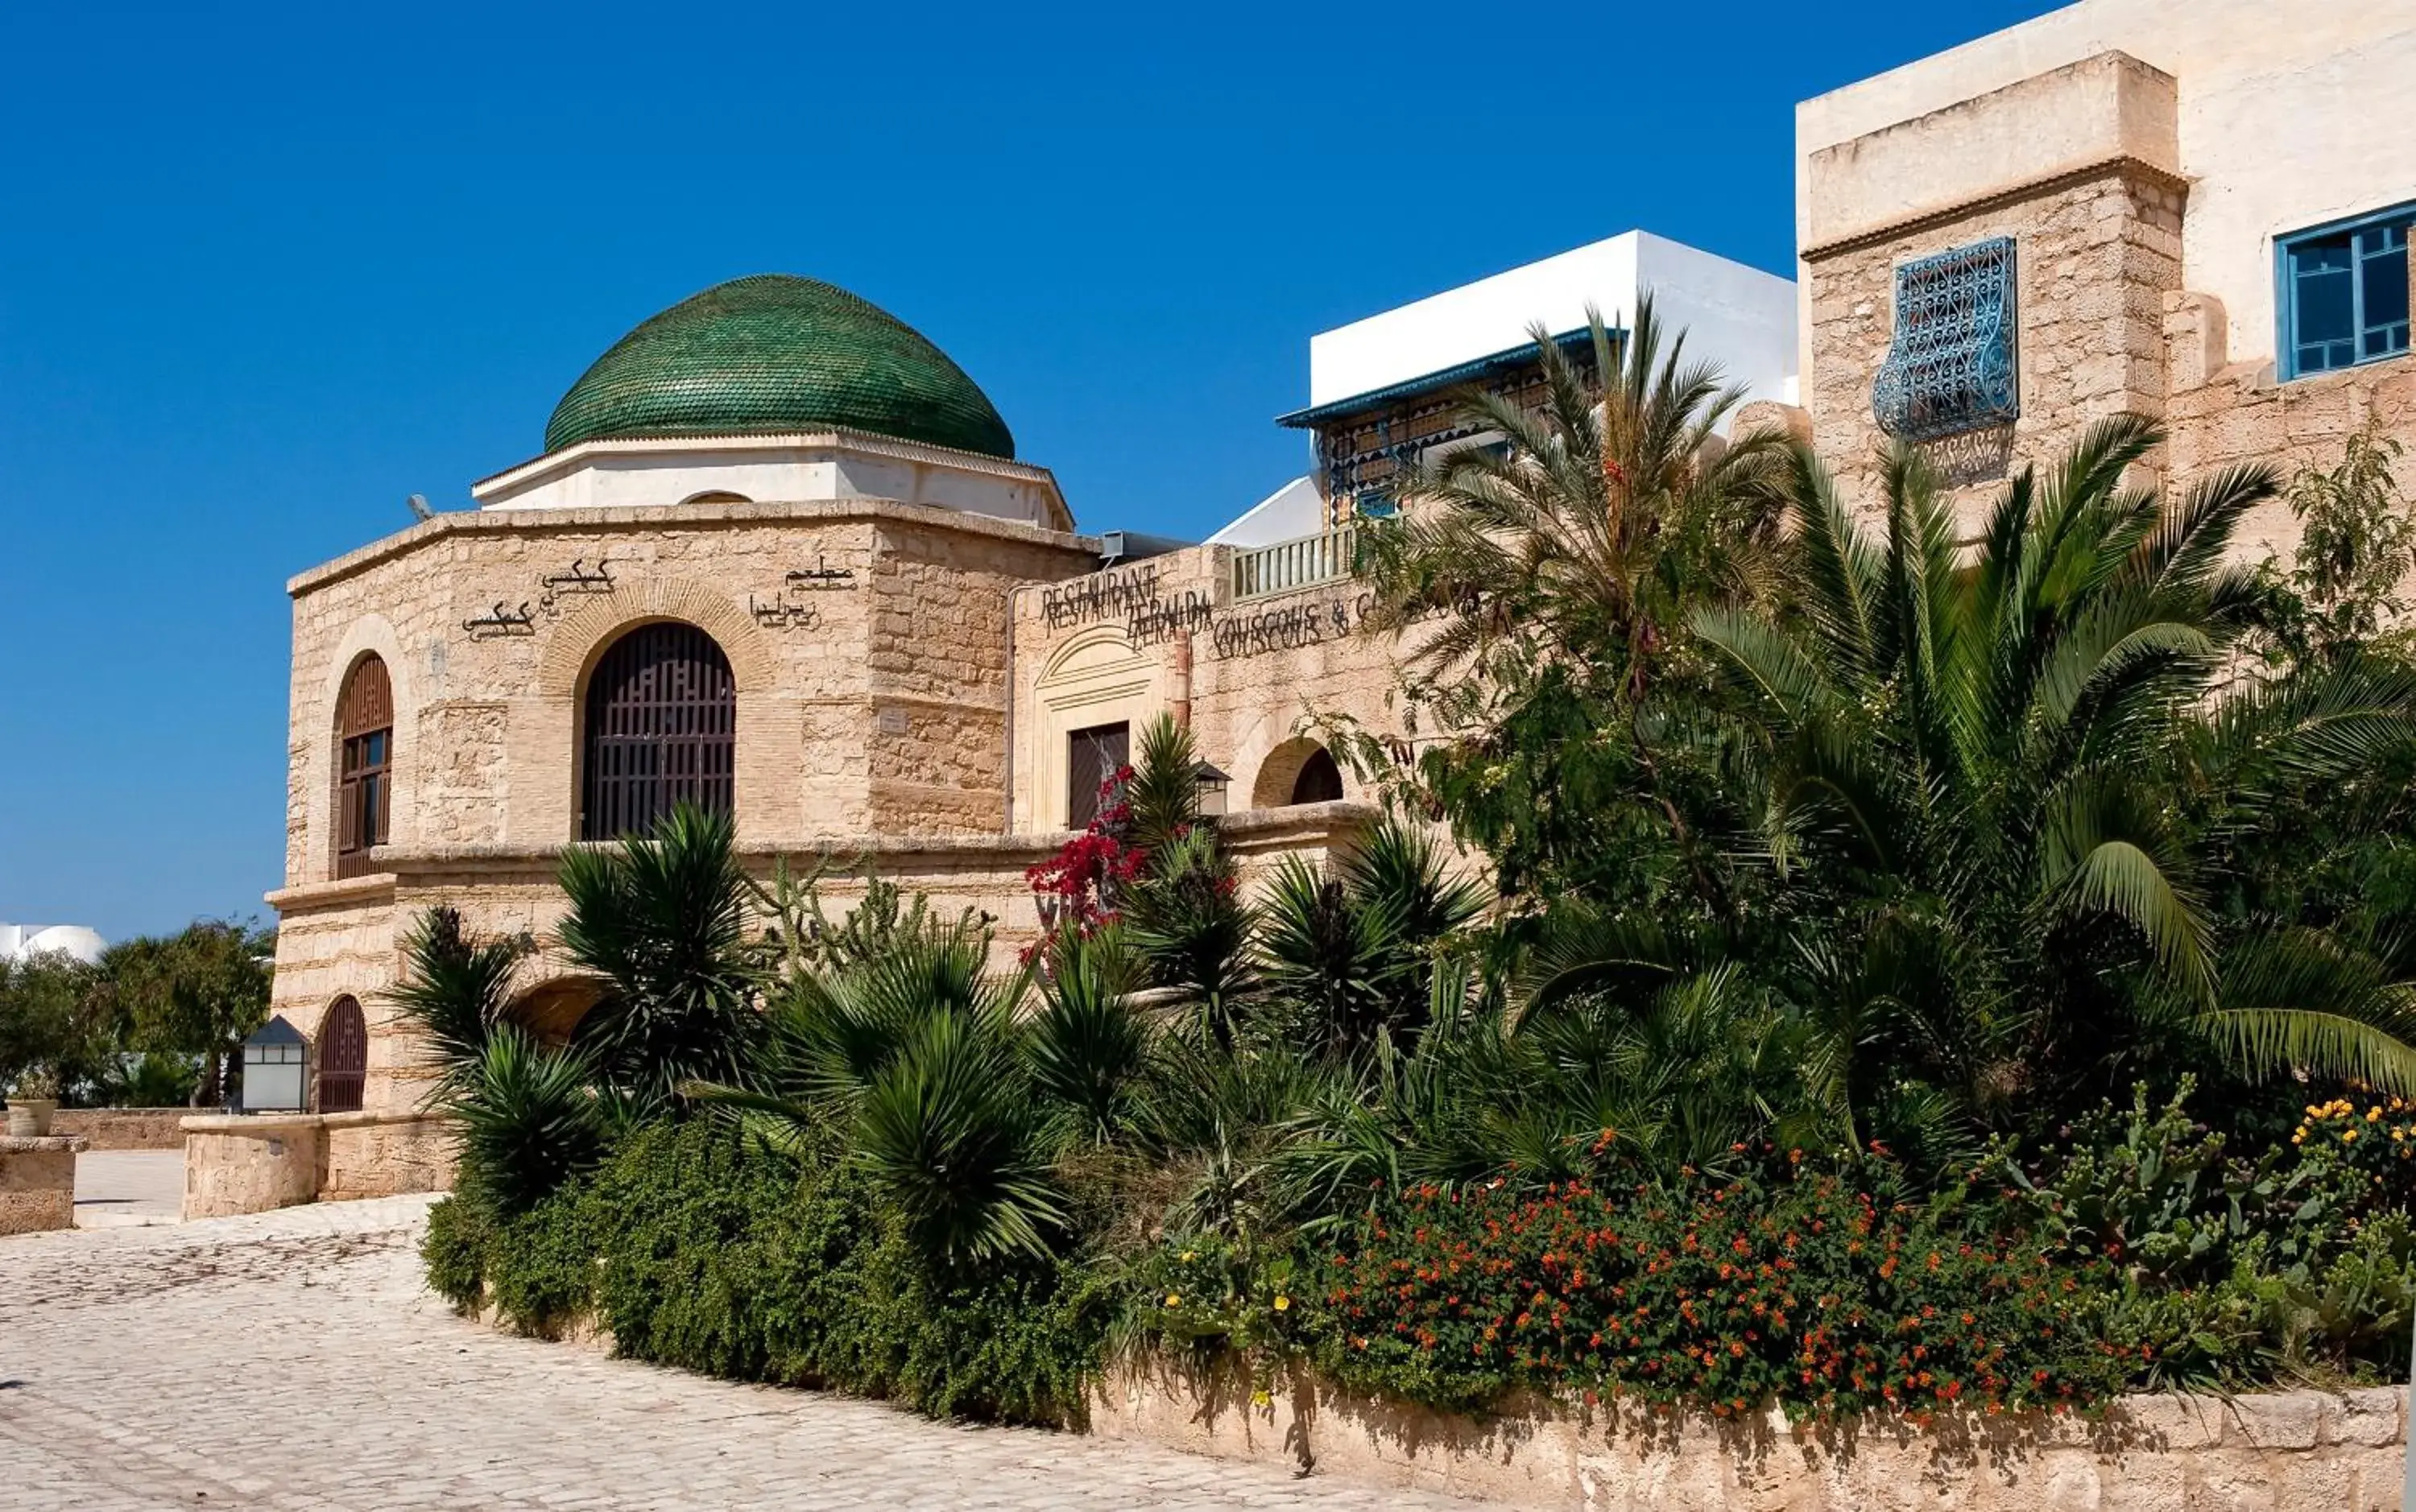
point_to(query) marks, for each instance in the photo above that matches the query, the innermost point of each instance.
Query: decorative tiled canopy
(774, 353)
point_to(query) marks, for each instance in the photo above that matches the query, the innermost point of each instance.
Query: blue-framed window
(2344, 295)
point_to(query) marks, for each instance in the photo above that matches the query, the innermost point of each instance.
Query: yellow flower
(1187, 1255)
(2348, 1136)
(1173, 1300)
(1260, 1399)
(1283, 1304)
(2299, 1138)
(2374, 1116)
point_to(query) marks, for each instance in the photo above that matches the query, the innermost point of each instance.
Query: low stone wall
(250, 1162)
(37, 1182)
(124, 1129)
(384, 1155)
(2302, 1451)
(253, 1163)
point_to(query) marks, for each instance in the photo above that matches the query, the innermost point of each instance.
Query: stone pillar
(251, 1163)
(37, 1182)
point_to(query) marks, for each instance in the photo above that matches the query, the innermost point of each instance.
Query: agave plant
(1974, 775)
(1354, 954)
(530, 1118)
(953, 1093)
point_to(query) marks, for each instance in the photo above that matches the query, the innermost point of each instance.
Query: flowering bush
(1809, 1288)
(1079, 886)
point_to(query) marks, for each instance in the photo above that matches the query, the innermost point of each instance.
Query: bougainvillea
(1079, 886)
(1796, 1286)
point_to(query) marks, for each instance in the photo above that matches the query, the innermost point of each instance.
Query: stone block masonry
(2302, 1451)
(37, 1182)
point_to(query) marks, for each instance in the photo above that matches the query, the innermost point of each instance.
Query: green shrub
(698, 1249)
(454, 1251)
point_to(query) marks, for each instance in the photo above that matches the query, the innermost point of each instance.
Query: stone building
(2196, 213)
(779, 555)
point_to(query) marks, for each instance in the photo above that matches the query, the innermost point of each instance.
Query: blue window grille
(1953, 366)
(2344, 294)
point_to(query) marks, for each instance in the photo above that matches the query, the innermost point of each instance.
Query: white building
(23, 942)
(1381, 390)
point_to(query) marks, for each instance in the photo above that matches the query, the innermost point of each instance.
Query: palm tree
(1540, 587)
(1973, 776)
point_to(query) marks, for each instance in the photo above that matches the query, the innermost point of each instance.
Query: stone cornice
(341, 893)
(2121, 165)
(1248, 831)
(666, 519)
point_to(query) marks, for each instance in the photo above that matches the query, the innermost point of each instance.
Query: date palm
(1975, 773)
(1541, 588)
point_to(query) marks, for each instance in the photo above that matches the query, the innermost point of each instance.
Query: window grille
(662, 728)
(2344, 295)
(1953, 366)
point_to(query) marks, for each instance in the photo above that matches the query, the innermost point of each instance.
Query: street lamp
(275, 1070)
(1212, 783)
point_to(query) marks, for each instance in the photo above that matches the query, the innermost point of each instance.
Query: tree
(1975, 780)
(1541, 590)
(198, 992)
(2343, 591)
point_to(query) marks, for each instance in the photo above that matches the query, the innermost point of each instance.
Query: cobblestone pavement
(292, 1360)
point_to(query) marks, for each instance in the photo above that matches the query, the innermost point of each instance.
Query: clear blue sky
(264, 274)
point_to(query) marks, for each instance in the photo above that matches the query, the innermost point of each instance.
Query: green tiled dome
(775, 353)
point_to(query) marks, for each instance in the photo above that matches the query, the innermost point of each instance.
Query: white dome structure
(23, 942)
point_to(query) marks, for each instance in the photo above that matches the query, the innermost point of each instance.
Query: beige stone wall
(872, 706)
(37, 1182)
(239, 1165)
(1250, 673)
(124, 1129)
(2286, 116)
(2222, 412)
(2095, 259)
(2286, 1452)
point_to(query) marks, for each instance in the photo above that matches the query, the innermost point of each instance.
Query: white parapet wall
(1736, 316)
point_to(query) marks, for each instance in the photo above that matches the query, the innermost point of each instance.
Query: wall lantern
(276, 1068)
(1212, 784)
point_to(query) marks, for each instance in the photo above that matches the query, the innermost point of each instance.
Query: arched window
(364, 765)
(1320, 780)
(343, 1056)
(661, 728)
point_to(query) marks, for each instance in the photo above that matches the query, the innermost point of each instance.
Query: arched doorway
(343, 1056)
(660, 728)
(364, 765)
(1320, 780)
(1300, 771)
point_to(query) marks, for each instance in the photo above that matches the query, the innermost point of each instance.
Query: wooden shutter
(364, 761)
(1092, 757)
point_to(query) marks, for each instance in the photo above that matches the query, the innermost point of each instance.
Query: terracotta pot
(31, 1116)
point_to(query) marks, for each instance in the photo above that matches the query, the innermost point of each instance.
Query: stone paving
(123, 1189)
(292, 1360)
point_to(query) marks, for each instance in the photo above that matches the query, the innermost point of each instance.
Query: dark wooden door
(1092, 757)
(343, 1057)
(662, 727)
